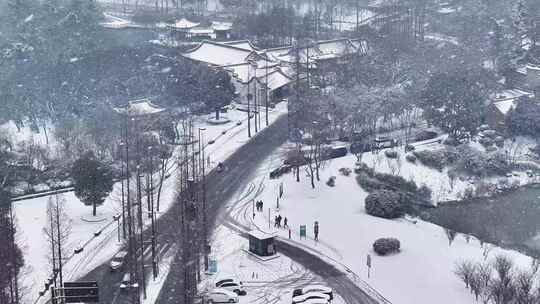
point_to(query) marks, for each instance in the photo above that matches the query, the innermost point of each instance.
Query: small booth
(261, 244)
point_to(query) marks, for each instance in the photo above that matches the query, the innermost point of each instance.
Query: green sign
(302, 231)
(212, 266)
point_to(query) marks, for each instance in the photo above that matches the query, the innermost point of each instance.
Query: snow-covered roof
(140, 107)
(261, 235)
(201, 31)
(221, 26)
(511, 94)
(217, 53)
(243, 44)
(505, 106)
(184, 24)
(276, 80)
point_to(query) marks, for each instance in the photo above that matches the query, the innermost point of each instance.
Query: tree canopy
(92, 179)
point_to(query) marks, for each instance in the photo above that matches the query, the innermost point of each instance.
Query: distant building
(257, 71)
(501, 105)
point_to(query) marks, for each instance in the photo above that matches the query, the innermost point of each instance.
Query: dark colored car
(285, 168)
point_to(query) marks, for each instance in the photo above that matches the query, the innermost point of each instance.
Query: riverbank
(509, 219)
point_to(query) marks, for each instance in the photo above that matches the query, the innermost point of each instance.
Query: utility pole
(266, 92)
(204, 219)
(249, 99)
(150, 195)
(123, 198)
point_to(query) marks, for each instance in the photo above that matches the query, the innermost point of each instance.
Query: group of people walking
(278, 219)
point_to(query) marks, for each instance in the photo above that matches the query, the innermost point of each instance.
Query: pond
(511, 219)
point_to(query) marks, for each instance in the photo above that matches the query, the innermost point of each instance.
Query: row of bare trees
(11, 259)
(500, 281)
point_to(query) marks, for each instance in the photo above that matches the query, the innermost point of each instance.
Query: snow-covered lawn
(31, 214)
(421, 273)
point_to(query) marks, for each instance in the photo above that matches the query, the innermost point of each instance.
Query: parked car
(316, 301)
(218, 283)
(117, 262)
(314, 288)
(285, 168)
(220, 295)
(336, 152)
(310, 295)
(232, 285)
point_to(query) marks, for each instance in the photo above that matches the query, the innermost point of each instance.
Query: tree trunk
(217, 114)
(94, 209)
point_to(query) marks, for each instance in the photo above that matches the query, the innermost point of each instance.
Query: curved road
(221, 187)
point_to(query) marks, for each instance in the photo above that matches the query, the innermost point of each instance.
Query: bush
(391, 154)
(331, 181)
(345, 171)
(437, 159)
(476, 163)
(384, 203)
(384, 246)
(411, 158)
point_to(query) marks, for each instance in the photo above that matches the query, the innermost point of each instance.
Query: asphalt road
(221, 187)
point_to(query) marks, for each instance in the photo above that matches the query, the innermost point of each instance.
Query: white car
(314, 288)
(220, 295)
(315, 301)
(118, 260)
(231, 285)
(310, 295)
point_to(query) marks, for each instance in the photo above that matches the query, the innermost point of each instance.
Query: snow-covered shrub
(477, 163)
(384, 203)
(331, 182)
(437, 159)
(391, 154)
(384, 246)
(425, 192)
(408, 191)
(411, 158)
(345, 171)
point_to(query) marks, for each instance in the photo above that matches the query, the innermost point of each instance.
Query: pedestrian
(316, 230)
(279, 221)
(275, 221)
(262, 205)
(285, 223)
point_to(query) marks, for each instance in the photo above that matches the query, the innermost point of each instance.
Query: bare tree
(502, 287)
(57, 231)
(464, 270)
(524, 284)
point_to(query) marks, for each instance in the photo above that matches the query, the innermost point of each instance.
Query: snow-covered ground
(31, 214)
(421, 273)
(266, 282)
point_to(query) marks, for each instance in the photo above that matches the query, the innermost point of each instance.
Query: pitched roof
(184, 24)
(140, 107)
(243, 44)
(217, 53)
(221, 26)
